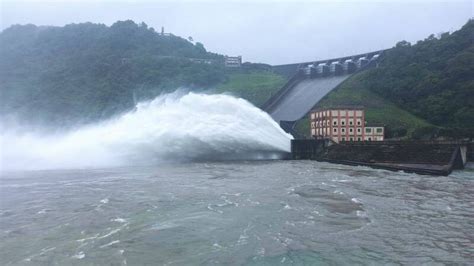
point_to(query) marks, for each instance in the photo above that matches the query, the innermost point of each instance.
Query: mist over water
(173, 127)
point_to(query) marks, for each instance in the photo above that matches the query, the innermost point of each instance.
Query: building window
(335, 123)
(359, 130)
(358, 139)
(343, 122)
(351, 122)
(358, 122)
(351, 139)
(343, 139)
(343, 130)
(335, 130)
(368, 130)
(370, 139)
(351, 130)
(379, 130)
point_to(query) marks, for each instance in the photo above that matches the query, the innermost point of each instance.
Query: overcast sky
(274, 32)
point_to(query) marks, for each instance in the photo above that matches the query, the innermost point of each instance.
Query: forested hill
(84, 72)
(433, 79)
(81, 73)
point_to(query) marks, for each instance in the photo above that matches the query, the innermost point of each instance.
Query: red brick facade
(343, 124)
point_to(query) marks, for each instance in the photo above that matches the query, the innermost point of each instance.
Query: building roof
(338, 108)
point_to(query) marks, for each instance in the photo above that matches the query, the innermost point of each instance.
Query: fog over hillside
(274, 32)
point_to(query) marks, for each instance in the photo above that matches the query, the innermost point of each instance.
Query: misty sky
(274, 32)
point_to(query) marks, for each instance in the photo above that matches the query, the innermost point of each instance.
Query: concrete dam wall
(298, 101)
(309, 82)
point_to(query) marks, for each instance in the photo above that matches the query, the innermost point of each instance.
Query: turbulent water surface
(236, 213)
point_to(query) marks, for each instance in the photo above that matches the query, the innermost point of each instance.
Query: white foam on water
(104, 201)
(362, 214)
(42, 211)
(79, 255)
(217, 246)
(209, 207)
(253, 202)
(177, 126)
(341, 180)
(356, 200)
(119, 220)
(43, 251)
(110, 244)
(114, 231)
(88, 238)
(165, 225)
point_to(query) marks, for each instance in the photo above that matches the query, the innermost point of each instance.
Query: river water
(236, 213)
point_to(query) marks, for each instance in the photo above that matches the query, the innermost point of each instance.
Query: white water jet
(174, 127)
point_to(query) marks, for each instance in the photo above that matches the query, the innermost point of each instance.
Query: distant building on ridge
(233, 61)
(163, 33)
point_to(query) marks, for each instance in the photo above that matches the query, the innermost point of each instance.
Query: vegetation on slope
(84, 72)
(254, 86)
(399, 123)
(433, 79)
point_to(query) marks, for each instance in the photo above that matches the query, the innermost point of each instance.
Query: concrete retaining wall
(393, 152)
(422, 157)
(470, 152)
(308, 149)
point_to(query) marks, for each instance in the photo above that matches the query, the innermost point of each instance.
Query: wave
(173, 127)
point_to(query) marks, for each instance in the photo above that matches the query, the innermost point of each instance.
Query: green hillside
(84, 72)
(398, 122)
(423, 90)
(432, 79)
(254, 86)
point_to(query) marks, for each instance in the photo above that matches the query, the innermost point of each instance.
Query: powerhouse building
(343, 124)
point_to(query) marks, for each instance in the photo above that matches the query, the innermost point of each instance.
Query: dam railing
(289, 69)
(299, 76)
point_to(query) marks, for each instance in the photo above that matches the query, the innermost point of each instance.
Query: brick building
(343, 124)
